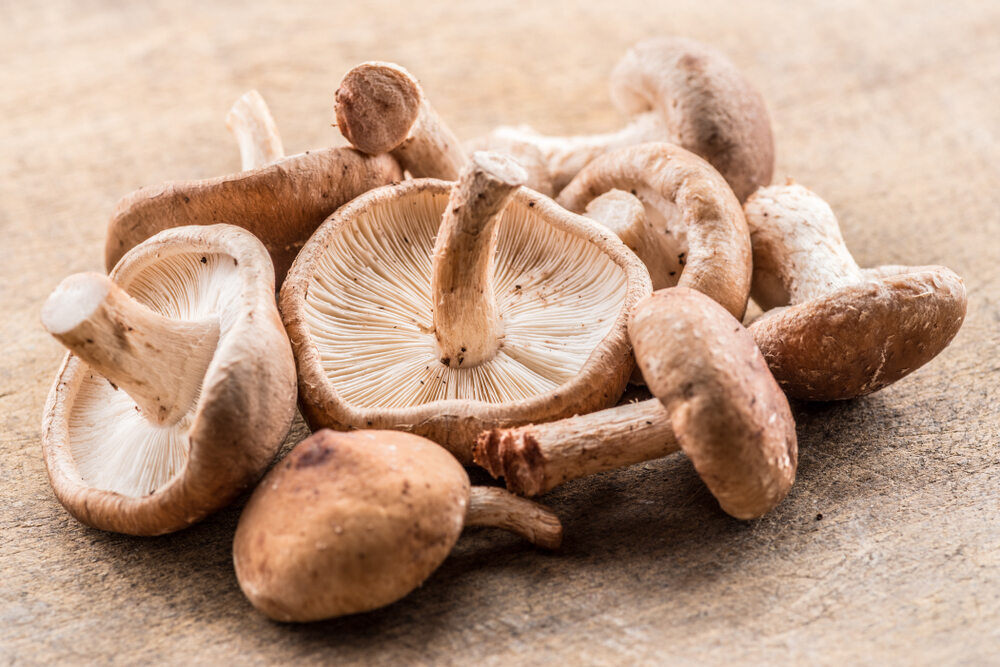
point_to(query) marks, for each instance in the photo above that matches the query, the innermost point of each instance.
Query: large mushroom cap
(692, 218)
(349, 522)
(727, 412)
(861, 338)
(359, 310)
(708, 107)
(282, 203)
(110, 463)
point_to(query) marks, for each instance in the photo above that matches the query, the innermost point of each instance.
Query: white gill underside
(369, 309)
(115, 448)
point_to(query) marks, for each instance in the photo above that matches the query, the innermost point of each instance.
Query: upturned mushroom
(350, 522)
(675, 90)
(179, 386)
(715, 400)
(280, 199)
(381, 108)
(831, 330)
(444, 309)
(691, 231)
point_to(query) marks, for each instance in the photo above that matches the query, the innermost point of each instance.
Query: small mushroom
(444, 309)
(280, 199)
(350, 522)
(715, 400)
(179, 386)
(381, 108)
(832, 330)
(675, 90)
(692, 232)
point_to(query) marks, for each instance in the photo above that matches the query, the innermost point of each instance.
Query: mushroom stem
(381, 108)
(535, 458)
(157, 360)
(490, 506)
(466, 323)
(251, 123)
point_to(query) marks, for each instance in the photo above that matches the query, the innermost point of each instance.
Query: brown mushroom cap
(691, 208)
(281, 203)
(861, 338)
(846, 331)
(349, 522)
(727, 412)
(358, 308)
(675, 90)
(113, 468)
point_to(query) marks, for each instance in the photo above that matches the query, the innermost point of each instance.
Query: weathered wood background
(887, 548)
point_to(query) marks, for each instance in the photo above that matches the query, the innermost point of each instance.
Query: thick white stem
(158, 361)
(251, 123)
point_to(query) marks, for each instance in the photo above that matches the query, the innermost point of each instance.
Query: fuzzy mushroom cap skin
(675, 90)
(115, 470)
(282, 203)
(358, 308)
(835, 331)
(727, 412)
(349, 522)
(689, 207)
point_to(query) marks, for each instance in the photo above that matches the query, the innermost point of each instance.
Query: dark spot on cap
(314, 455)
(819, 517)
(446, 361)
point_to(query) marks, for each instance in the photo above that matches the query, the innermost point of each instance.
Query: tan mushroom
(692, 232)
(832, 330)
(506, 310)
(350, 522)
(381, 108)
(715, 400)
(180, 384)
(675, 90)
(280, 199)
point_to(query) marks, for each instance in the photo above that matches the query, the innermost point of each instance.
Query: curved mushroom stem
(251, 123)
(489, 506)
(798, 251)
(157, 360)
(381, 108)
(565, 156)
(624, 214)
(466, 323)
(536, 458)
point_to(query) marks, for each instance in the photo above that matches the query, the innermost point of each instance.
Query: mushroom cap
(691, 202)
(281, 203)
(726, 410)
(707, 105)
(358, 308)
(114, 470)
(348, 522)
(861, 338)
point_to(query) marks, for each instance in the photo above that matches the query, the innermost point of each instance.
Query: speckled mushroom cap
(358, 307)
(112, 465)
(282, 203)
(350, 522)
(836, 331)
(691, 212)
(672, 89)
(726, 410)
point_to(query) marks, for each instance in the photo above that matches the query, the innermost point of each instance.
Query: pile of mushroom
(450, 305)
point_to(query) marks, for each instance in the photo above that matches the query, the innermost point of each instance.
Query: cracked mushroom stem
(156, 360)
(537, 458)
(381, 108)
(255, 131)
(496, 508)
(466, 323)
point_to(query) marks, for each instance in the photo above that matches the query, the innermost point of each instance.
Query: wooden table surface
(887, 549)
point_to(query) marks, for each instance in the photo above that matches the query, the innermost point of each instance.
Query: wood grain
(887, 549)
